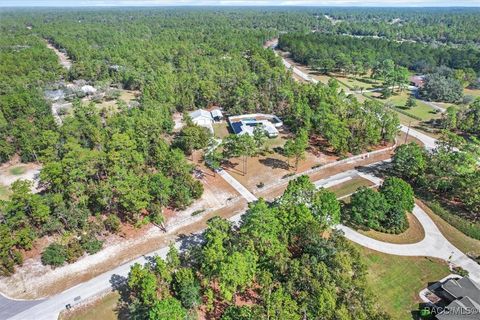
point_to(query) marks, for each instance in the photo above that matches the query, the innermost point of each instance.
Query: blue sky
(383, 3)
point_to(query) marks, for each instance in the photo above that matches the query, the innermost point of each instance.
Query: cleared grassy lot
(220, 130)
(102, 309)
(349, 187)
(357, 82)
(421, 110)
(16, 171)
(397, 280)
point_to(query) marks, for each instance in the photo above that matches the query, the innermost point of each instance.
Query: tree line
(426, 25)
(329, 53)
(446, 174)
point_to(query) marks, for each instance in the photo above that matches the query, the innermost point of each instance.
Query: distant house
(202, 118)
(417, 81)
(462, 297)
(246, 124)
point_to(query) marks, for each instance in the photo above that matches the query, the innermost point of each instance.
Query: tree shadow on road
(381, 170)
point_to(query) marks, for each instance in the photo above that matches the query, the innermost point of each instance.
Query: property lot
(357, 83)
(272, 167)
(104, 308)
(421, 110)
(216, 193)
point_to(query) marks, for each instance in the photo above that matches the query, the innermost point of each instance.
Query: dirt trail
(65, 61)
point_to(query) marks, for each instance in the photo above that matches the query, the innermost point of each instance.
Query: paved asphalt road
(9, 308)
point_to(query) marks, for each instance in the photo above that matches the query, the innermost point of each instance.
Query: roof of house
(463, 309)
(467, 305)
(417, 80)
(248, 126)
(216, 113)
(200, 113)
(463, 287)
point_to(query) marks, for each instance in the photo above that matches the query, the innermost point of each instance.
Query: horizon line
(238, 5)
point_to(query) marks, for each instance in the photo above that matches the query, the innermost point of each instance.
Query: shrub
(112, 223)
(54, 255)
(91, 245)
(74, 251)
(460, 271)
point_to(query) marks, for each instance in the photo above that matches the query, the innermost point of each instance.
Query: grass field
(357, 82)
(396, 281)
(349, 187)
(16, 171)
(102, 309)
(220, 130)
(421, 110)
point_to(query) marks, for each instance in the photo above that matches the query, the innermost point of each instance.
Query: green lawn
(220, 130)
(349, 187)
(396, 281)
(17, 170)
(359, 82)
(102, 309)
(271, 143)
(421, 110)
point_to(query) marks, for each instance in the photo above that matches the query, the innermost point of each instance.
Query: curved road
(434, 244)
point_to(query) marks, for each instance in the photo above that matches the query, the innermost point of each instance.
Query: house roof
(200, 113)
(216, 113)
(417, 80)
(467, 305)
(463, 287)
(463, 309)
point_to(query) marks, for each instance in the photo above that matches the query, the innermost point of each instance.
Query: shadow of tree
(231, 166)
(274, 163)
(379, 170)
(119, 284)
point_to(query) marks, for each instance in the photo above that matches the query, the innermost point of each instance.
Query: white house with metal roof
(204, 118)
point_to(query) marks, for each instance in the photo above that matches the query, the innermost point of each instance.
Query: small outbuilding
(216, 114)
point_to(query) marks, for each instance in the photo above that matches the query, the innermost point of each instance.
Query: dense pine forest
(430, 25)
